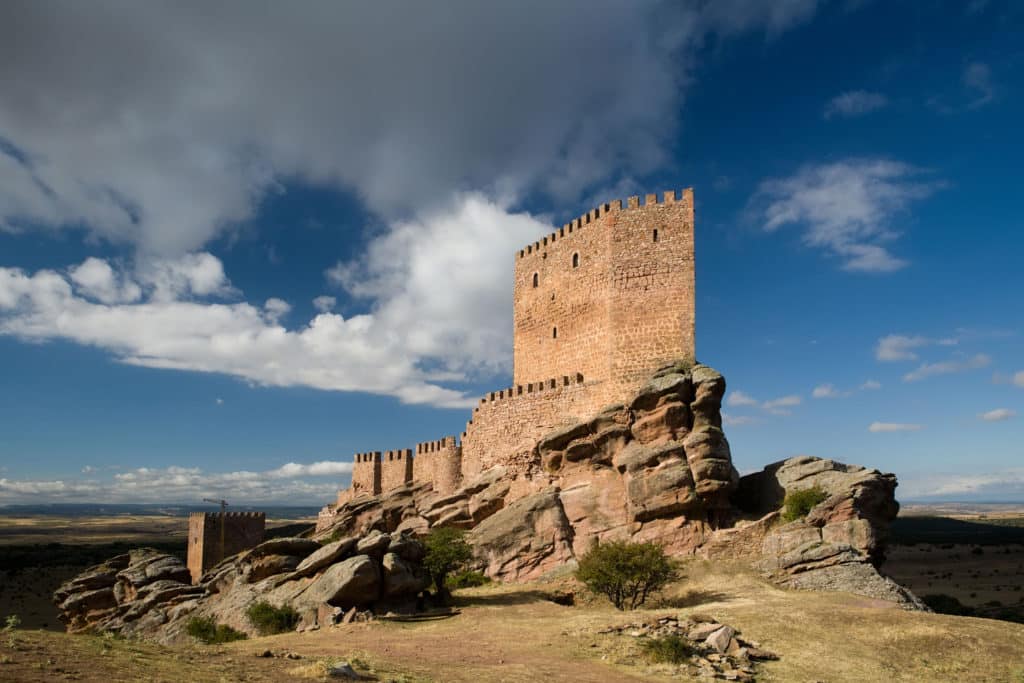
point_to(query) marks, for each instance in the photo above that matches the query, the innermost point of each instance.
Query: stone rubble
(718, 649)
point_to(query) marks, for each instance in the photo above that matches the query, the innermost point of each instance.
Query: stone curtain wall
(242, 530)
(507, 424)
(439, 462)
(611, 301)
(395, 469)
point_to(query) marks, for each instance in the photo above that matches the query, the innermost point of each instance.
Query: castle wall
(610, 301)
(439, 462)
(507, 424)
(395, 469)
(242, 530)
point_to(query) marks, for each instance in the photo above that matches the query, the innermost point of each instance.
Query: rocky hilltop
(656, 469)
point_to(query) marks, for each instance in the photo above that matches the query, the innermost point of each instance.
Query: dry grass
(513, 633)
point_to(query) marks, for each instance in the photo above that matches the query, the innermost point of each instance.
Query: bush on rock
(269, 620)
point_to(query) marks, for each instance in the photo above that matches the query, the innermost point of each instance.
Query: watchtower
(242, 530)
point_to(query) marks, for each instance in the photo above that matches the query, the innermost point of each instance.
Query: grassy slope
(511, 633)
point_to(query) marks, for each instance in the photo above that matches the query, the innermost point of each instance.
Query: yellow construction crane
(223, 520)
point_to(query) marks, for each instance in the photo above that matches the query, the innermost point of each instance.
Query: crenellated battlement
(529, 388)
(632, 203)
(215, 516)
(370, 456)
(442, 444)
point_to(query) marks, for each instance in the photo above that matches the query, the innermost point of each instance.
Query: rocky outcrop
(147, 593)
(656, 469)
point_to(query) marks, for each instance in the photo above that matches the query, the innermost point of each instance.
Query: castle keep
(598, 305)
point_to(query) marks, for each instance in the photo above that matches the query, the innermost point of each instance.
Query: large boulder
(355, 582)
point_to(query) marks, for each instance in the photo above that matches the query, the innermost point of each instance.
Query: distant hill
(173, 510)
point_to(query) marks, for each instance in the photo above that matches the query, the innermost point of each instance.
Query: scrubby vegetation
(799, 503)
(210, 632)
(269, 620)
(626, 573)
(447, 551)
(467, 579)
(671, 649)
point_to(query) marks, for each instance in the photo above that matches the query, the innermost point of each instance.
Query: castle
(598, 305)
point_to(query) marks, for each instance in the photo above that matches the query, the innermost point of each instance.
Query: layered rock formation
(147, 593)
(658, 469)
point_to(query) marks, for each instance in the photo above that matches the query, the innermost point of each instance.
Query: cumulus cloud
(997, 415)
(325, 304)
(276, 309)
(947, 367)
(330, 352)
(289, 483)
(897, 347)
(855, 103)
(96, 279)
(847, 208)
(730, 420)
(397, 101)
(882, 427)
(871, 385)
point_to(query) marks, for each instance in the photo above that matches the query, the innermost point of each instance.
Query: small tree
(269, 620)
(447, 550)
(626, 573)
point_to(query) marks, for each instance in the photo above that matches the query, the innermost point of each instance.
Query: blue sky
(237, 247)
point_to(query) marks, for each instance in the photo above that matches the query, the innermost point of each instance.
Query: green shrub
(799, 503)
(667, 649)
(467, 579)
(626, 573)
(269, 620)
(209, 631)
(447, 550)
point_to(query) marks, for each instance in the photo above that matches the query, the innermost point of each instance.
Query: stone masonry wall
(242, 530)
(507, 424)
(439, 462)
(604, 297)
(395, 469)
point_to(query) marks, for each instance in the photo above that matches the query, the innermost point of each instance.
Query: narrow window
(576, 260)
(655, 234)
(554, 333)
(536, 279)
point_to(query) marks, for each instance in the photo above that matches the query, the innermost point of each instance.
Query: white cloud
(220, 401)
(882, 427)
(855, 103)
(730, 420)
(325, 304)
(777, 406)
(947, 367)
(289, 483)
(977, 78)
(1006, 484)
(88, 469)
(180, 142)
(1018, 379)
(846, 208)
(276, 309)
(330, 352)
(740, 399)
(997, 415)
(896, 347)
(96, 279)
(828, 391)
(871, 385)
